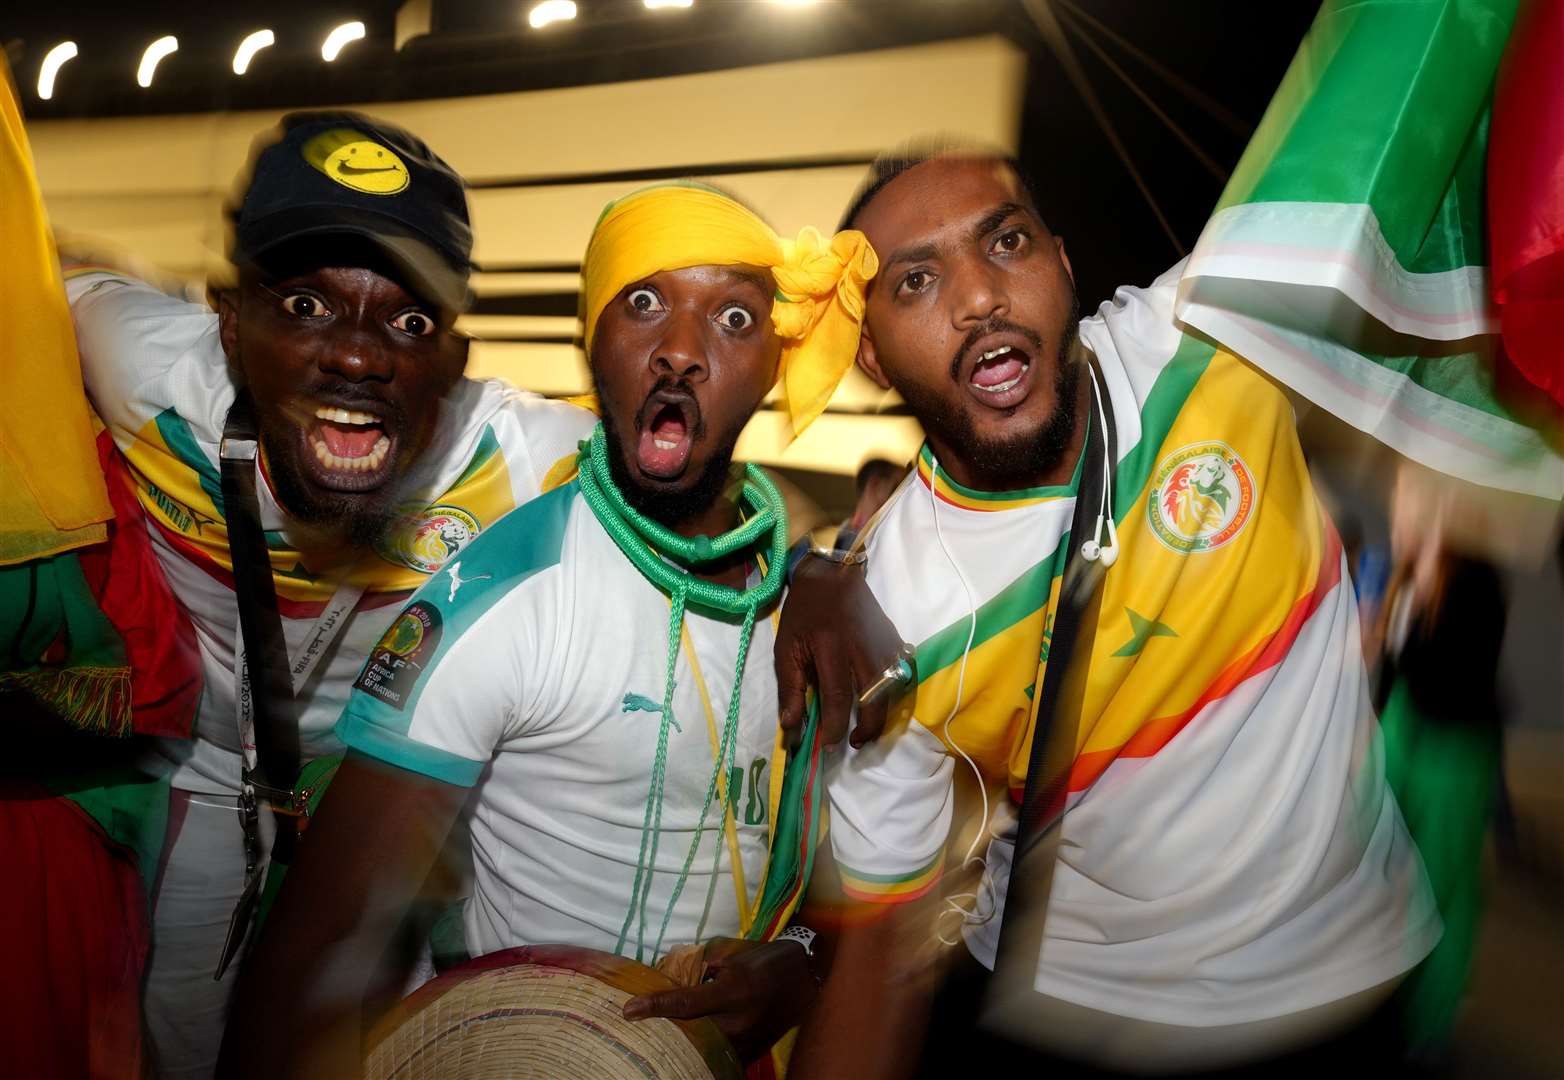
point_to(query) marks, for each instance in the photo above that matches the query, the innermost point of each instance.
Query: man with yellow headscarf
(586, 666)
(377, 463)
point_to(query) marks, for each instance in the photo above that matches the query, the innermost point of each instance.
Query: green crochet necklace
(649, 546)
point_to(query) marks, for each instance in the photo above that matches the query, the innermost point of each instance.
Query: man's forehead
(936, 194)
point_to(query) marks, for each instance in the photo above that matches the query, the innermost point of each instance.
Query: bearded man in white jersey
(1190, 732)
(584, 668)
(378, 463)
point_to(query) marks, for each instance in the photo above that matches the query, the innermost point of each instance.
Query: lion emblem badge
(1201, 497)
(427, 540)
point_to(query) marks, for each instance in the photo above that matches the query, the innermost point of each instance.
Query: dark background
(1232, 53)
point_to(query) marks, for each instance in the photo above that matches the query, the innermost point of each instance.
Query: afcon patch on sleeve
(402, 654)
(1202, 495)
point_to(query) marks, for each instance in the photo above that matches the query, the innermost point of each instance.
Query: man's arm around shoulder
(297, 1008)
(869, 1019)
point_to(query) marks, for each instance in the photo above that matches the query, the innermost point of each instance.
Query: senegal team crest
(1201, 497)
(425, 540)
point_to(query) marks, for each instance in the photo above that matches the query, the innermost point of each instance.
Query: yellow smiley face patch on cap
(356, 161)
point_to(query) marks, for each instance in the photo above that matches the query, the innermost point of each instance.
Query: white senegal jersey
(1230, 850)
(158, 379)
(533, 667)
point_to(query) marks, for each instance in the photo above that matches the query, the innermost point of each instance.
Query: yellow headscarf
(818, 310)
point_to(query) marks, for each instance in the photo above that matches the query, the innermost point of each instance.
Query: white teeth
(995, 352)
(664, 444)
(368, 463)
(365, 463)
(343, 416)
(1000, 388)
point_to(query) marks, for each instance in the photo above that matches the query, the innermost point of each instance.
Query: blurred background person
(875, 481)
(1441, 629)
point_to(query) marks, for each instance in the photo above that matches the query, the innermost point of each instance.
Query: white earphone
(975, 915)
(1093, 549)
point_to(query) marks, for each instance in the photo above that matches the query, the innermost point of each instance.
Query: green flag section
(62, 649)
(1346, 257)
(795, 834)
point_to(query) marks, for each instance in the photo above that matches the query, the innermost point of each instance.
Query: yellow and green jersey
(156, 374)
(1226, 809)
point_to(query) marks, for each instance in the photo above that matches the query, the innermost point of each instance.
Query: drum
(544, 1012)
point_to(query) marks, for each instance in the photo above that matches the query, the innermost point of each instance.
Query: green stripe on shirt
(522, 544)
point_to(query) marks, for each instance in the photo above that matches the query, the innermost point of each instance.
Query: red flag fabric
(1526, 196)
(128, 583)
(75, 919)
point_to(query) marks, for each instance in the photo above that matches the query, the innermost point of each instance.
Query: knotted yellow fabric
(820, 283)
(52, 495)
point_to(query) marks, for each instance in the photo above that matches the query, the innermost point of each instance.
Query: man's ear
(228, 323)
(1065, 258)
(868, 361)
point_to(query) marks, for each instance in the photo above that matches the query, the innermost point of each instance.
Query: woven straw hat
(541, 1013)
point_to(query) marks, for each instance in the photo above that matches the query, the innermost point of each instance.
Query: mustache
(345, 395)
(672, 386)
(978, 333)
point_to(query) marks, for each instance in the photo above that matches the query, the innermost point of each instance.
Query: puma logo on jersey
(642, 703)
(457, 581)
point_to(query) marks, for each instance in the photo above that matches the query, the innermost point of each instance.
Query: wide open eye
(644, 300)
(304, 306)
(415, 323)
(736, 317)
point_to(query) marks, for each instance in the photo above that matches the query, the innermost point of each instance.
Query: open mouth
(1001, 378)
(668, 423)
(352, 448)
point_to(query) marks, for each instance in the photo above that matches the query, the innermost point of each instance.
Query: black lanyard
(1058, 710)
(269, 684)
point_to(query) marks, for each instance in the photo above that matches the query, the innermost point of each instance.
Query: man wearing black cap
(305, 459)
(334, 353)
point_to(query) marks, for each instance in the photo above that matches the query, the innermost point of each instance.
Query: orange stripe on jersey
(288, 609)
(1266, 654)
(948, 491)
(892, 888)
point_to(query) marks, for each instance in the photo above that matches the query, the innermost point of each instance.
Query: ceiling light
(551, 11)
(339, 38)
(149, 59)
(52, 63)
(249, 47)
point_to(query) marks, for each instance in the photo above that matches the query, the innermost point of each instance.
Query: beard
(357, 519)
(670, 507)
(1009, 461)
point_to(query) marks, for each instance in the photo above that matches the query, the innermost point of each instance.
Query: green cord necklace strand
(645, 542)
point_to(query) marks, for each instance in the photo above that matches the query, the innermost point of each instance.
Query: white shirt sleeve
(143, 352)
(469, 663)
(891, 808)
